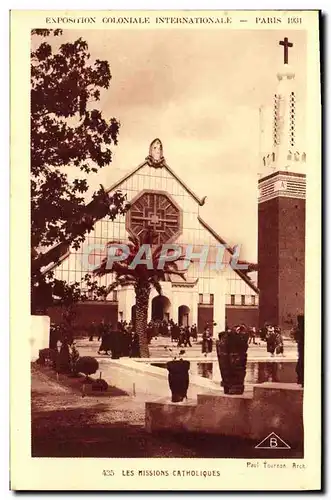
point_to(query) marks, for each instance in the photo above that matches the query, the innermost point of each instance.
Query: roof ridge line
(201, 201)
(126, 177)
(242, 275)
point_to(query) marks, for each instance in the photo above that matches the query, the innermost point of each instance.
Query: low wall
(146, 380)
(254, 415)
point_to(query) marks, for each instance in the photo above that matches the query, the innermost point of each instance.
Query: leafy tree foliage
(68, 134)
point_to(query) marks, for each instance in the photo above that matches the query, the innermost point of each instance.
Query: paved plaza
(159, 350)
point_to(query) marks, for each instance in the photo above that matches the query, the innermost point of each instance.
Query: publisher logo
(273, 442)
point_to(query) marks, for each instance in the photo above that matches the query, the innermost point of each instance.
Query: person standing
(252, 335)
(271, 340)
(154, 330)
(207, 342)
(93, 331)
(187, 335)
(105, 334)
(176, 332)
(101, 329)
(279, 341)
(181, 337)
(264, 331)
(194, 332)
(134, 345)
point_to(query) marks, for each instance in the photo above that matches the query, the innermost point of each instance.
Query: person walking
(194, 332)
(105, 345)
(101, 329)
(181, 337)
(207, 342)
(176, 332)
(134, 345)
(187, 335)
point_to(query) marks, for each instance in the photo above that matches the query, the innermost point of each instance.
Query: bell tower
(281, 210)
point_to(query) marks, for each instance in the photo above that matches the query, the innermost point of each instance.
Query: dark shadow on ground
(217, 446)
(76, 383)
(75, 433)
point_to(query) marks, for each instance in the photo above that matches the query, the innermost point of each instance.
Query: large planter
(231, 351)
(178, 379)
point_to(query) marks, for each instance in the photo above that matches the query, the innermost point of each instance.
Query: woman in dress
(279, 341)
(207, 342)
(271, 338)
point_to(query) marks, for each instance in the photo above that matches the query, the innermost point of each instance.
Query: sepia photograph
(168, 175)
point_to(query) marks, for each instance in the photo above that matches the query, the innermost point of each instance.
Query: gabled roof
(47, 261)
(61, 251)
(56, 262)
(117, 184)
(54, 256)
(239, 272)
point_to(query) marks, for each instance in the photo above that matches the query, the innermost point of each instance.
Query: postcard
(166, 214)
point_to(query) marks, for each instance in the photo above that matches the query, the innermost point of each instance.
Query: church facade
(161, 201)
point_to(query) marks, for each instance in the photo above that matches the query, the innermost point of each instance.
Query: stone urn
(231, 351)
(178, 379)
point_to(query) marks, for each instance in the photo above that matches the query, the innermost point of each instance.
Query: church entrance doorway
(161, 308)
(183, 316)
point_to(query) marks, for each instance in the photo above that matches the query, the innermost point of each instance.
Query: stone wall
(270, 408)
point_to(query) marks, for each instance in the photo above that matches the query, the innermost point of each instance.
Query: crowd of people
(270, 334)
(178, 333)
(273, 336)
(122, 340)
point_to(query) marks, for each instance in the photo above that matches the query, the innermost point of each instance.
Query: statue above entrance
(155, 158)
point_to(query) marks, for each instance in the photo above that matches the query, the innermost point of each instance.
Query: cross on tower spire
(286, 44)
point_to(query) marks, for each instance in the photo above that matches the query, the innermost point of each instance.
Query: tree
(142, 277)
(68, 134)
(48, 291)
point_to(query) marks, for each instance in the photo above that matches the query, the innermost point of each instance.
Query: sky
(199, 92)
